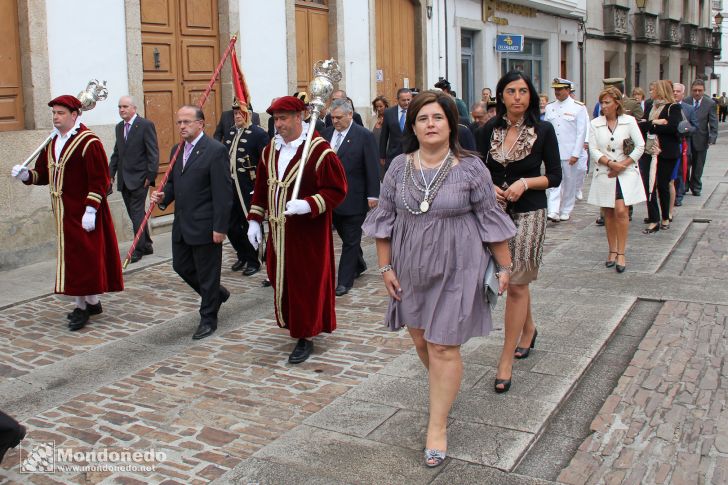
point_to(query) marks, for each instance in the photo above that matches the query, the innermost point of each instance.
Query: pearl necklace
(429, 189)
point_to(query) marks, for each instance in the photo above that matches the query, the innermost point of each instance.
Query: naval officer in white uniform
(570, 120)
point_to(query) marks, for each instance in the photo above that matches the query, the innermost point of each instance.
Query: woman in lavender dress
(437, 214)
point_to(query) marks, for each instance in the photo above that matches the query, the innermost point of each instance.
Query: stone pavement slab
(667, 419)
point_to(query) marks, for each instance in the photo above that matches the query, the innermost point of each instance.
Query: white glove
(88, 222)
(21, 173)
(255, 236)
(297, 207)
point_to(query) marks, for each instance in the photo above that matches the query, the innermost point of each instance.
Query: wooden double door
(11, 86)
(395, 25)
(180, 50)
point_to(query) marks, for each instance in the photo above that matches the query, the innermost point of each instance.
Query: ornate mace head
(95, 91)
(326, 75)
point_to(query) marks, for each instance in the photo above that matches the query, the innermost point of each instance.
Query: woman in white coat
(617, 183)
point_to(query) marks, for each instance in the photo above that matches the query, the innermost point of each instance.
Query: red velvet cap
(68, 101)
(286, 103)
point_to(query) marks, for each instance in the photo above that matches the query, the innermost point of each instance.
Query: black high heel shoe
(651, 230)
(506, 383)
(610, 262)
(524, 352)
(620, 267)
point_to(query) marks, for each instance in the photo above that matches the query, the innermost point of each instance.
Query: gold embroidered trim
(254, 209)
(277, 198)
(320, 203)
(56, 172)
(94, 196)
(323, 155)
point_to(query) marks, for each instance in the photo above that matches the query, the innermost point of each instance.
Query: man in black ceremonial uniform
(245, 142)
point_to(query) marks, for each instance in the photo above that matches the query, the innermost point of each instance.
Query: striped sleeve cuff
(317, 203)
(256, 213)
(94, 200)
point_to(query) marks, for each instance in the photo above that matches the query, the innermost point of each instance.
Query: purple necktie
(126, 130)
(188, 150)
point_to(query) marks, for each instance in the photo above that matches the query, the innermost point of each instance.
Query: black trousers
(659, 203)
(238, 236)
(135, 201)
(199, 266)
(9, 433)
(697, 163)
(352, 257)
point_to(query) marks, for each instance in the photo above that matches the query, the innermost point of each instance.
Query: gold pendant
(424, 206)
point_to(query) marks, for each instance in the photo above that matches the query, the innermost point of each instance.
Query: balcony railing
(669, 31)
(690, 35)
(615, 21)
(645, 26)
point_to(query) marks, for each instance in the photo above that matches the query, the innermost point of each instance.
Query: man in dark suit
(227, 121)
(135, 160)
(201, 187)
(357, 149)
(245, 143)
(341, 94)
(706, 133)
(390, 139)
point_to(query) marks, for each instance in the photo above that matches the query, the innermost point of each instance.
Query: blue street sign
(508, 43)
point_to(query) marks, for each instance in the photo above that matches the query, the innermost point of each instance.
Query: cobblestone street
(231, 409)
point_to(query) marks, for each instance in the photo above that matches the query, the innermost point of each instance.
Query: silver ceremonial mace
(95, 91)
(326, 74)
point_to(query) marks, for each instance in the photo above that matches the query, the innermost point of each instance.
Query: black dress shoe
(136, 256)
(301, 352)
(342, 290)
(599, 221)
(79, 319)
(238, 265)
(266, 283)
(696, 193)
(92, 310)
(148, 250)
(19, 434)
(204, 330)
(251, 270)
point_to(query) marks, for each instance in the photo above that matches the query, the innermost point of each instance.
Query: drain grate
(569, 427)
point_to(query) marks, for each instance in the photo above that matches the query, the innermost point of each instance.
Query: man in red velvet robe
(75, 167)
(300, 257)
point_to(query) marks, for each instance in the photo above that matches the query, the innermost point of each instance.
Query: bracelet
(503, 269)
(525, 184)
(385, 268)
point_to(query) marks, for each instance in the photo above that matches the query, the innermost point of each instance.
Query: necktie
(127, 126)
(697, 103)
(401, 119)
(339, 137)
(188, 150)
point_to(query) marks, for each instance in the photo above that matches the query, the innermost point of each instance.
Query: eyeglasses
(186, 122)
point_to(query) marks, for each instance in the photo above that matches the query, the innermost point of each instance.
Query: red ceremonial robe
(300, 257)
(87, 263)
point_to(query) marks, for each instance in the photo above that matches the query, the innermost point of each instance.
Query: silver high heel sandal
(434, 458)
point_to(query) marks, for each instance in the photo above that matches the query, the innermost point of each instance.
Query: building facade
(163, 54)
(647, 40)
(462, 42)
